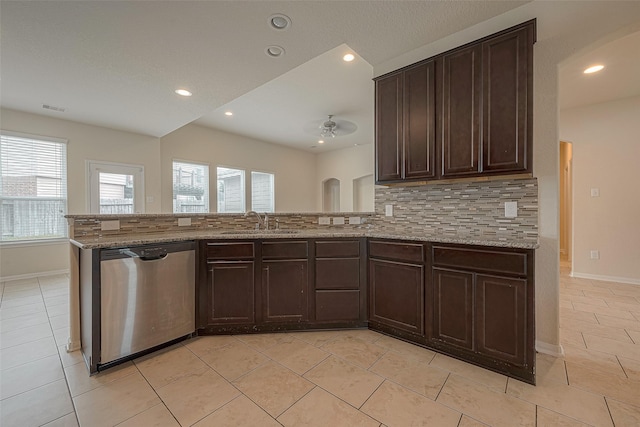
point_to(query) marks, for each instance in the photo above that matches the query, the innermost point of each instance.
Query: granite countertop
(140, 239)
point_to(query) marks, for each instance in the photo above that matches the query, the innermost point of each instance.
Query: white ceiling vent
(53, 108)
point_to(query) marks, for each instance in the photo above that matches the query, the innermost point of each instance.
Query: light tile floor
(339, 378)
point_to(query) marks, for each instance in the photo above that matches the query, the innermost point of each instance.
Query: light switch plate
(355, 220)
(338, 220)
(110, 225)
(324, 220)
(183, 222)
(388, 210)
(595, 254)
(595, 192)
(510, 209)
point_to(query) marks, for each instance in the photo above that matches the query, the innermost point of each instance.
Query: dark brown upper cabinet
(389, 128)
(507, 86)
(464, 113)
(460, 111)
(405, 124)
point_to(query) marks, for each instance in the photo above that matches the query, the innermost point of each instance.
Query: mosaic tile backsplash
(88, 226)
(461, 208)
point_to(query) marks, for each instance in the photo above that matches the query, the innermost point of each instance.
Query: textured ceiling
(619, 79)
(116, 64)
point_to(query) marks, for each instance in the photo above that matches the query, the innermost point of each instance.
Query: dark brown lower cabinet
(501, 318)
(340, 282)
(474, 303)
(396, 287)
(483, 307)
(337, 305)
(396, 291)
(231, 287)
(285, 291)
(453, 307)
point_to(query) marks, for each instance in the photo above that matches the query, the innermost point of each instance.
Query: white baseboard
(33, 275)
(606, 278)
(550, 349)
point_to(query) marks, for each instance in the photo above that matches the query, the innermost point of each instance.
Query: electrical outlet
(324, 220)
(595, 192)
(183, 222)
(110, 225)
(355, 220)
(338, 220)
(510, 209)
(595, 254)
(388, 210)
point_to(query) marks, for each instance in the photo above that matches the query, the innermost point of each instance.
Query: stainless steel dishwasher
(147, 297)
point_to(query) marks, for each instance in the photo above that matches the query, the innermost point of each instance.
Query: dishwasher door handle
(155, 257)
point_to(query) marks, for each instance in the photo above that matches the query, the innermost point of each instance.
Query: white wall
(295, 170)
(563, 30)
(85, 142)
(345, 165)
(606, 149)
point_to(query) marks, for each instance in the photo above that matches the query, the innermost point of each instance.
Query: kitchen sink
(261, 232)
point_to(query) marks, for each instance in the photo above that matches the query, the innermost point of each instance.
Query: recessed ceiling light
(593, 69)
(183, 92)
(321, 142)
(348, 57)
(279, 21)
(228, 113)
(274, 51)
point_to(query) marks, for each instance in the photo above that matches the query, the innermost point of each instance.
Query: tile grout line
(606, 402)
(64, 373)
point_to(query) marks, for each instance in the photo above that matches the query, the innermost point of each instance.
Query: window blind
(33, 188)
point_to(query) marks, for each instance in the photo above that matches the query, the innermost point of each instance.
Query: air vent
(53, 108)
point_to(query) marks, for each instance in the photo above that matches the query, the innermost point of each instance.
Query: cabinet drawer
(338, 249)
(338, 273)
(412, 252)
(226, 250)
(481, 260)
(284, 250)
(337, 305)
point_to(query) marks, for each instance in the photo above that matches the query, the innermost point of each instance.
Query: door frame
(94, 167)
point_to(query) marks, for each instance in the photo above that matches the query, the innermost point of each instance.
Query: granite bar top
(147, 238)
(210, 215)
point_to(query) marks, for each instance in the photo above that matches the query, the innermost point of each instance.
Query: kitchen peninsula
(469, 295)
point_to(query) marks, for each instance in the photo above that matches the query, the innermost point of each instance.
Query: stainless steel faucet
(261, 221)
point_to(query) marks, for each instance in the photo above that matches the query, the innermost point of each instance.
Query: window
(33, 190)
(230, 190)
(115, 188)
(190, 187)
(262, 192)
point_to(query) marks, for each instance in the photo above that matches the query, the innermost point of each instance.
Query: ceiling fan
(330, 128)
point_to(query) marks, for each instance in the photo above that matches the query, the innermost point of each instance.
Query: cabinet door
(419, 121)
(338, 305)
(501, 325)
(397, 295)
(507, 98)
(461, 111)
(285, 291)
(231, 292)
(338, 273)
(453, 307)
(389, 128)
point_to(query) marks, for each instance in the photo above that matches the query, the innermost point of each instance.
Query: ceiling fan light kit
(330, 128)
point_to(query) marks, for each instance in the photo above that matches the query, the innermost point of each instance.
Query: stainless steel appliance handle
(129, 252)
